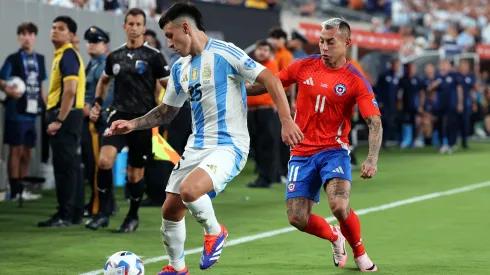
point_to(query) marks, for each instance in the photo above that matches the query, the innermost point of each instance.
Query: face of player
(464, 67)
(444, 66)
(333, 46)
(60, 33)
(26, 40)
(430, 70)
(262, 53)
(178, 38)
(95, 49)
(134, 26)
(412, 69)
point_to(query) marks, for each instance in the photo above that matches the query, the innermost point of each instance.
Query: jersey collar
(63, 48)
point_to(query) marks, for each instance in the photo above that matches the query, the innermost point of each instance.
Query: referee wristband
(99, 101)
(59, 120)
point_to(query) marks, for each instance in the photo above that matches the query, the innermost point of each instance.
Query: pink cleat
(170, 270)
(338, 247)
(365, 264)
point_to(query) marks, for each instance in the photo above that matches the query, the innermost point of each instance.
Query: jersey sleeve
(174, 94)
(69, 65)
(246, 67)
(288, 75)
(6, 69)
(365, 99)
(161, 70)
(108, 66)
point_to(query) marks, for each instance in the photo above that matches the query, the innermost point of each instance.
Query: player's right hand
(11, 91)
(291, 134)
(95, 112)
(120, 127)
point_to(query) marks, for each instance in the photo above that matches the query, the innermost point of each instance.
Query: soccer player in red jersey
(329, 88)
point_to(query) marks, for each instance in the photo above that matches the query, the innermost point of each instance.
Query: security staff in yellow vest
(65, 120)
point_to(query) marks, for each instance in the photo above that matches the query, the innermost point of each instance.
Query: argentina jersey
(214, 83)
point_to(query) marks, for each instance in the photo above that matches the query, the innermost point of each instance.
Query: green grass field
(430, 235)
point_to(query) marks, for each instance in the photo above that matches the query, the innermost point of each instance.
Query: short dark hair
(27, 27)
(182, 9)
(151, 33)
(278, 33)
(70, 23)
(135, 12)
(262, 43)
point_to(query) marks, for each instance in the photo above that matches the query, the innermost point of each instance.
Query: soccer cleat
(365, 264)
(130, 224)
(338, 247)
(213, 245)
(96, 222)
(170, 270)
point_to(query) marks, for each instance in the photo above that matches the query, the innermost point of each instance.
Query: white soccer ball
(124, 263)
(15, 80)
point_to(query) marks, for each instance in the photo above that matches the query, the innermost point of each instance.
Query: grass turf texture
(436, 236)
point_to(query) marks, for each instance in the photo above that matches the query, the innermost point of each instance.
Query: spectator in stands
(264, 125)
(449, 44)
(21, 110)
(148, 6)
(65, 118)
(296, 44)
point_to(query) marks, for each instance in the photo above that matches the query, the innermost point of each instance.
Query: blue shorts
(306, 175)
(20, 132)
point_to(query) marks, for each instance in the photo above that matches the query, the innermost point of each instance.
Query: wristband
(59, 121)
(99, 101)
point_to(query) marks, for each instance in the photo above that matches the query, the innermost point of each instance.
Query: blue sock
(435, 138)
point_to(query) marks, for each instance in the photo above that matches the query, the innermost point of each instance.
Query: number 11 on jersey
(320, 103)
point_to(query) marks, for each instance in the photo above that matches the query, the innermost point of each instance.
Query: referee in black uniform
(136, 68)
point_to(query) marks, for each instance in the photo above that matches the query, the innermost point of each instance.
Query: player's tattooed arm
(375, 136)
(256, 89)
(160, 115)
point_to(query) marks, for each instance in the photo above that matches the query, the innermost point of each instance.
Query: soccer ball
(15, 80)
(124, 263)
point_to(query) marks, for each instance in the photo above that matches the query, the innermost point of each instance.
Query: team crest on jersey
(194, 74)
(141, 66)
(291, 186)
(375, 103)
(206, 72)
(115, 69)
(212, 168)
(340, 89)
(249, 63)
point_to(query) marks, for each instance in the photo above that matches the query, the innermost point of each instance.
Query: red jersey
(325, 103)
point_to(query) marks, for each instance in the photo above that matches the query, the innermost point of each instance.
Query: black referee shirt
(135, 72)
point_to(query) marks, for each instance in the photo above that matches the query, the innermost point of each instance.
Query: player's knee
(298, 221)
(173, 209)
(188, 193)
(340, 210)
(105, 162)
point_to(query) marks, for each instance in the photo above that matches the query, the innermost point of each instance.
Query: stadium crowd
(426, 108)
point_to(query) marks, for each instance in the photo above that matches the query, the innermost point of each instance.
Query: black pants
(157, 172)
(66, 164)
(449, 125)
(264, 128)
(465, 124)
(388, 120)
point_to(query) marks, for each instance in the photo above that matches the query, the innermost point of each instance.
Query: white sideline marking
(359, 212)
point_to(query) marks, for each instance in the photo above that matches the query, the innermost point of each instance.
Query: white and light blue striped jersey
(214, 83)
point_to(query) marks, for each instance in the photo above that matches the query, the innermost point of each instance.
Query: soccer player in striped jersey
(211, 74)
(329, 88)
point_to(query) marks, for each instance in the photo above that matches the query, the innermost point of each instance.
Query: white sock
(203, 212)
(173, 238)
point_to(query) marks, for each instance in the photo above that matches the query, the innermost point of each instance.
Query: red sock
(319, 227)
(351, 229)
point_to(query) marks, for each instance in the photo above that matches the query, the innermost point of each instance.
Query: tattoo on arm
(375, 136)
(160, 115)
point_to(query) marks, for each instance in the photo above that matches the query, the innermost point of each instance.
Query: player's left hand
(291, 134)
(369, 168)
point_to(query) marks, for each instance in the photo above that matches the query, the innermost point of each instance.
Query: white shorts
(222, 163)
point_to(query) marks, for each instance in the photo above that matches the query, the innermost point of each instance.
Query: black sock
(15, 187)
(104, 184)
(136, 191)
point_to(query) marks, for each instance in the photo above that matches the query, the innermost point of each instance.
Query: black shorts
(138, 142)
